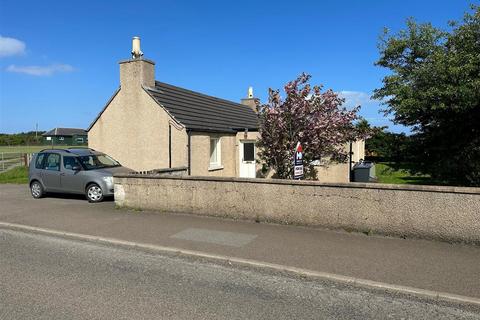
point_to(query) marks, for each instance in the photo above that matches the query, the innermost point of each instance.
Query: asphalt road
(430, 265)
(51, 278)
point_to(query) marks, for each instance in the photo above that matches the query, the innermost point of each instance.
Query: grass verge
(16, 175)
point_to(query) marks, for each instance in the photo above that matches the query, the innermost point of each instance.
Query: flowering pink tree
(314, 118)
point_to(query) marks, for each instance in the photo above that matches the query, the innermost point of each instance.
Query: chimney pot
(136, 52)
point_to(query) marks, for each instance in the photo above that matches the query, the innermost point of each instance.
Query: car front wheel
(36, 189)
(94, 193)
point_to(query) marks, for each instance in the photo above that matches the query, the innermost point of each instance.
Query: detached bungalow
(149, 125)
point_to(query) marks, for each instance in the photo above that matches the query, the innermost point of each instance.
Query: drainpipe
(350, 176)
(189, 152)
(169, 145)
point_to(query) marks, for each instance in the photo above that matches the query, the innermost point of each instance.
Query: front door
(247, 159)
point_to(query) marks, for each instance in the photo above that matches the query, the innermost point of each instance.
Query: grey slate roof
(200, 112)
(65, 132)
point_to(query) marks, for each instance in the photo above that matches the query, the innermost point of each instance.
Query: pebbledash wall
(442, 213)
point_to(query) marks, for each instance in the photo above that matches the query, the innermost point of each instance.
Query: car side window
(39, 161)
(52, 162)
(70, 162)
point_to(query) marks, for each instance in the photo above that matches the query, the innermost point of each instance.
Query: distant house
(65, 136)
(148, 125)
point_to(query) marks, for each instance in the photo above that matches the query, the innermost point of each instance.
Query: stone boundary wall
(175, 171)
(429, 212)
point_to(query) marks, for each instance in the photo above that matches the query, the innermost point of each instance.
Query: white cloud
(355, 98)
(11, 47)
(41, 70)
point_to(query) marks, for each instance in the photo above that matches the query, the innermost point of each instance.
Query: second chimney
(250, 101)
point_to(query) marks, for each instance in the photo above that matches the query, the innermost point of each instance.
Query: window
(97, 161)
(61, 138)
(39, 161)
(52, 162)
(215, 159)
(70, 162)
(248, 151)
(80, 140)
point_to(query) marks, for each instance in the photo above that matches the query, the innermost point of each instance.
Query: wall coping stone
(163, 170)
(354, 185)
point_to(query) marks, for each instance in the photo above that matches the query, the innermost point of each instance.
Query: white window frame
(215, 165)
(61, 138)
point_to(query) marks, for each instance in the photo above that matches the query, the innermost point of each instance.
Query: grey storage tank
(364, 171)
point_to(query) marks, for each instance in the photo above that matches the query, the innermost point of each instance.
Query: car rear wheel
(36, 189)
(94, 193)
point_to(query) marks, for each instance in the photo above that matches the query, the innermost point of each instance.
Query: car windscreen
(97, 161)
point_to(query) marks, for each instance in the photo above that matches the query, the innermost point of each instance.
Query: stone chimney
(137, 71)
(250, 101)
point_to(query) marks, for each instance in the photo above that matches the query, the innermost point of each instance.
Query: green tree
(434, 88)
(388, 146)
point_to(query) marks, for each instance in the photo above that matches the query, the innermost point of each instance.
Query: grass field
(29, 149)
(15, 175)
(389, 173)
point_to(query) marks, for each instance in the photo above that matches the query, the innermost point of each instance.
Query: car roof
(72, 151)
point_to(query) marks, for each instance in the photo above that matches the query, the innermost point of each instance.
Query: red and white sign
(298, 162)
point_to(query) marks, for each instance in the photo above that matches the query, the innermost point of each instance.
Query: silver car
(79, 171)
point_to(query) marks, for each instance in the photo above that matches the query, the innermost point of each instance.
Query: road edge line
(370, 284)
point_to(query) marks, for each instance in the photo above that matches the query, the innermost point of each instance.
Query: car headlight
(108, 180)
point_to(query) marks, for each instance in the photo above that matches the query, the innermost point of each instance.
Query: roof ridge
(69, 128)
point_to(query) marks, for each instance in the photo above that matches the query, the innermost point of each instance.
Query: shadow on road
(74, 196)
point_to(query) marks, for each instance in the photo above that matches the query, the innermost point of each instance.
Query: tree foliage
(434, 87)
(21, 139)
(383, 145)
(388, 146)
(313, 117)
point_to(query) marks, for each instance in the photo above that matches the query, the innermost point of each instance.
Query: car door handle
(62, 174)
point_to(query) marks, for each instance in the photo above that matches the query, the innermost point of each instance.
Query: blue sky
(59, 59)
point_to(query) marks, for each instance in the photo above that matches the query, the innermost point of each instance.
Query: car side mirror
(76, 168)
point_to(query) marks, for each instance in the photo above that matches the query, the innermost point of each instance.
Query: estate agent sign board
(298, 162)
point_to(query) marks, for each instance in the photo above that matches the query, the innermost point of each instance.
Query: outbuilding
(65, 136)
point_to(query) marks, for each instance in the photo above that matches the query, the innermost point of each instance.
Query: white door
(247, 159)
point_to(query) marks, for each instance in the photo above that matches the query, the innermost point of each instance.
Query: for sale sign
(298, 162)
